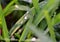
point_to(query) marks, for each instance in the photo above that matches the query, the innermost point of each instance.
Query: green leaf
(4, 26)
(56, 19)
(50, 26)
(8, 6)
(49, 6)
(36, 5)
(28, 14)
(17, 7)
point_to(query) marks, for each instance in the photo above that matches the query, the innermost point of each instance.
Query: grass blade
(36, 5)
(28, 14)
(50, 26)
(4, 26)
(56, 19)
(8, 6)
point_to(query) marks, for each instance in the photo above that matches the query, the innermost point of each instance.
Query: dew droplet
(33, 39)
(16, 6)
(21, 22)
(25, 17)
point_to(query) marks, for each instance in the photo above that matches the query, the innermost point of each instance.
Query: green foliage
(38, 21)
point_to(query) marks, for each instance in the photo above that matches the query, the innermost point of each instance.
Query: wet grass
(38, 22)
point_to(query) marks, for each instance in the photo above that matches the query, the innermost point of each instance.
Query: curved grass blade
(28, 14)
(17, 7)
(19, 23)
(8, 6)
(23, 36)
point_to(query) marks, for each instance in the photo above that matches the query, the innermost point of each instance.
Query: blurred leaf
(21, 7)
(1, 38)
(4, 26)
(40, 34)
(50, 26)
(17, 7)
(8, 6)
(28, 14)
(56, 19)
(49, 6)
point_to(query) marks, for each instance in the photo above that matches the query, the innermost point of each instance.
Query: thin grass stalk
(26, 31)
(19, 23)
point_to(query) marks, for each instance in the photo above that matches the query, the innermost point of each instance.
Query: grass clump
(29, 21)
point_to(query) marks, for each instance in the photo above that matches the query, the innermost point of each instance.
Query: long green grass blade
(4, 26)
(28, 14)
(17, 7)
(49, 6)
(50, 26)
(26, 31)
(8, 6)
(36, 5)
